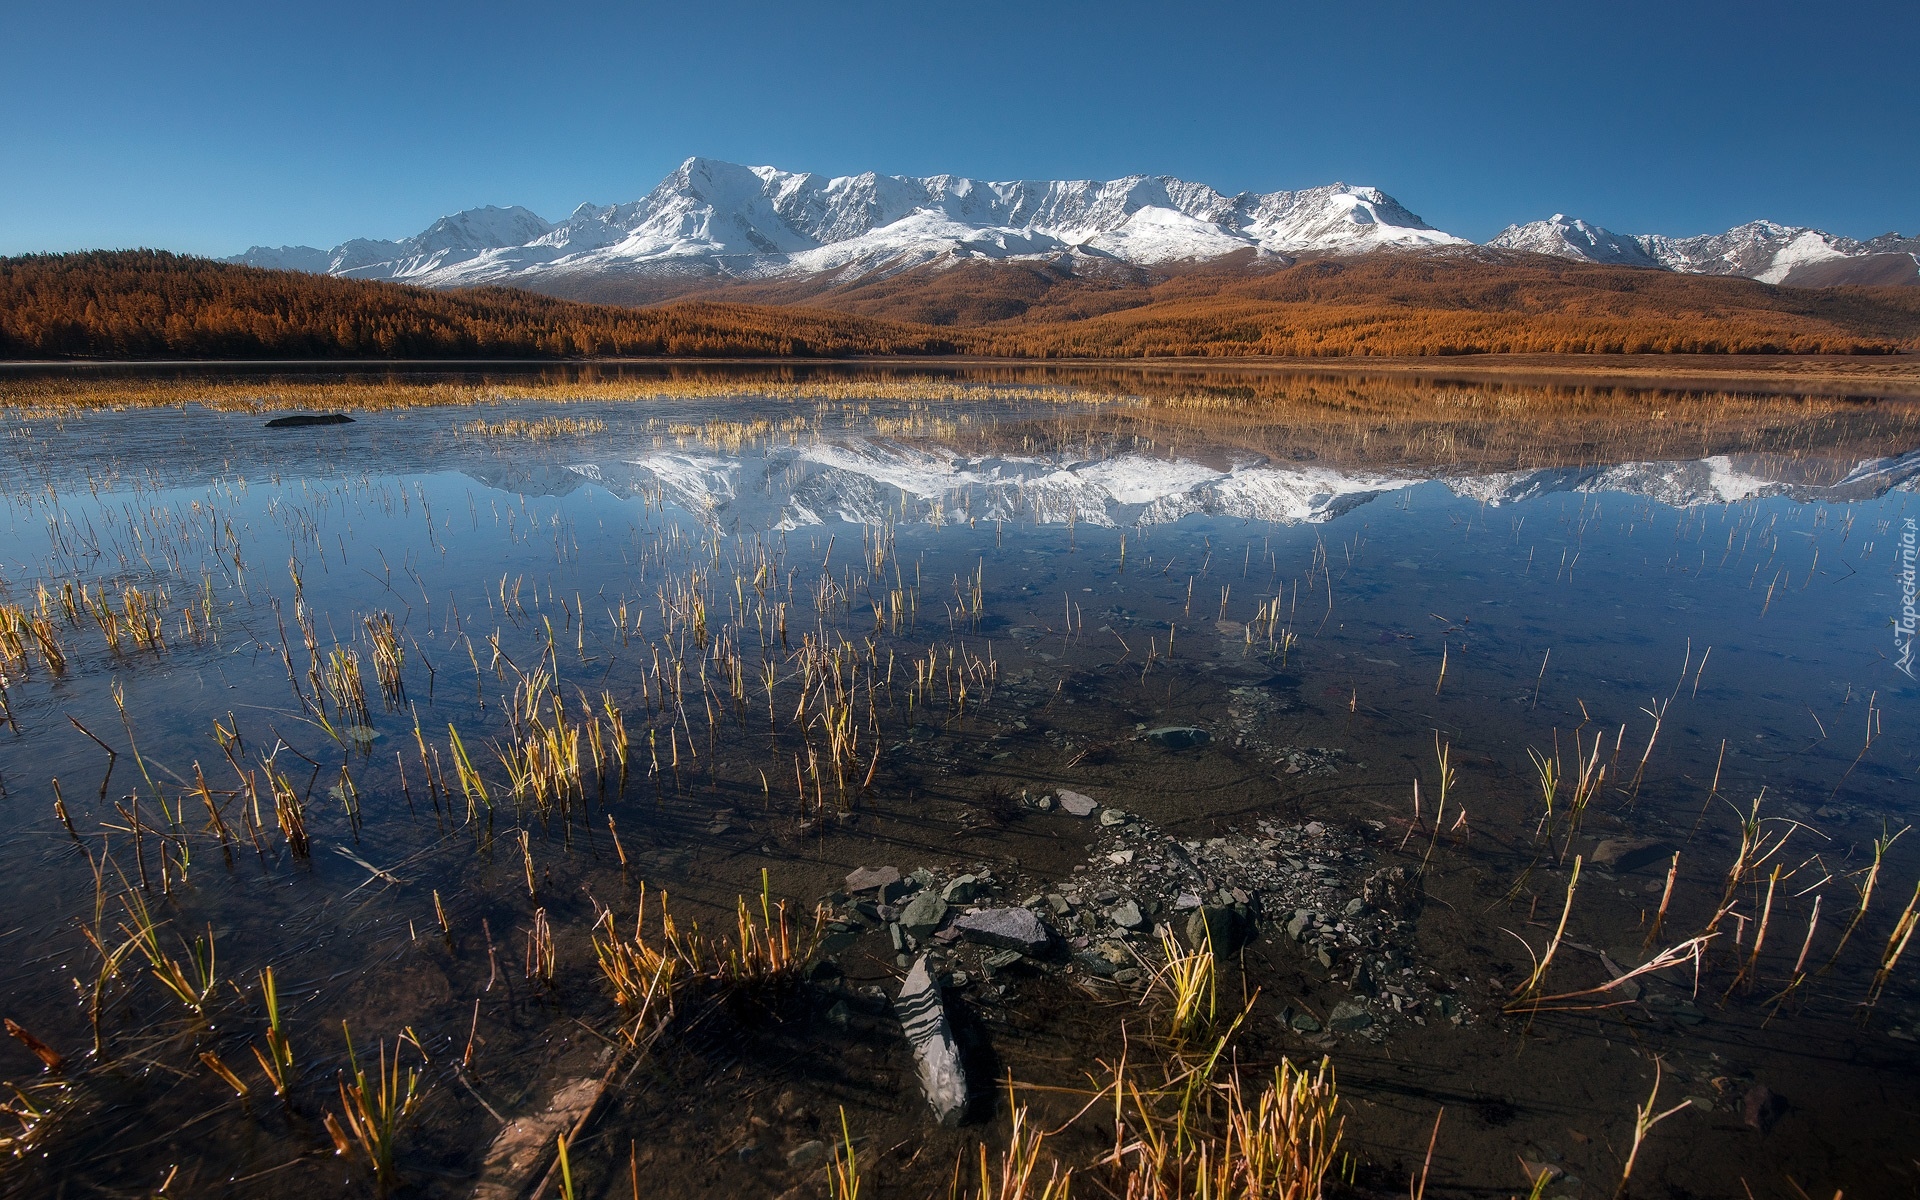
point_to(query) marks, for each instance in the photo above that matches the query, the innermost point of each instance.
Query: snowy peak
(711, 220)
(1764, 250)
(1569, 237)
(723, 220)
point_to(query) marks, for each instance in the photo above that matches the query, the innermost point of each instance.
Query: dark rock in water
(1394, 891)
(1095, 964)
(302, 420)
(1762, 1107)
(1629, 854)
(1349, 1016)
(1178, 737)
(1009, 928)
(936, 1057)
(1215, 926)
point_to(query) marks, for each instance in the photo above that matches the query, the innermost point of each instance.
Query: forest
(145, 304)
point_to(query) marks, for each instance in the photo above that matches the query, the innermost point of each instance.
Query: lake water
(1307, 642)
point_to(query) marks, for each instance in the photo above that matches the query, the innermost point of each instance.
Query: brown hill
(149, 304)
(145, 304)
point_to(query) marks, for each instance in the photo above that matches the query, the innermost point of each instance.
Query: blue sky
(210, 126)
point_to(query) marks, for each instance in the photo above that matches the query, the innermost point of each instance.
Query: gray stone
(867, 879)
(923, 914)
(806, 1154)
(1349, 1016)
(936, 1057)
(1305, 1023)
(1301, 922)
(1127, 915)
(1058, 904)
(1000, 960)
(1127, 975)
(1011, 928)
(1113, 816)
(961, 889)
(1355, 907)
(1178, 737)
(1077, 805)
(897, 936)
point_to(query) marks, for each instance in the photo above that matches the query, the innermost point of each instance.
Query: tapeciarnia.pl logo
(1904, 622)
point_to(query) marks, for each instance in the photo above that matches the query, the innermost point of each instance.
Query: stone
(897, 936)
(1058, 904)
(807, 1153)
(1215, 928)
(923, 914)
(1044, 804)
(1121, 858)
(1000, 960)
(1761, 1107)
(1185, 901)
(1095, 964)
(1076, 805)
(1113, 816)
(1305, 1023)
(1298, 926)
(1126, 915)
(1314, 829)
(1629, 854)
(1393, 890)
(305, 420)
(884, 880)
(1178, 737)
(1349, 1016)
(1127, 975)
(923, 1016)
(961, 889)
(1114, 952)
(1354, 907)
(1010, 928)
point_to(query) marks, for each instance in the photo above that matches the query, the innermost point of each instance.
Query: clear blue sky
(208, 126)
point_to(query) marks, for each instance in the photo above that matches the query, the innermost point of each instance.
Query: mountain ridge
(712, 223)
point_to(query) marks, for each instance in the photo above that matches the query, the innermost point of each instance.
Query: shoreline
(1880, 375)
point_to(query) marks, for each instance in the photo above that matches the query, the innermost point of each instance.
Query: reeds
(277, 1062)
(1187, 986)
(373, 1111)
(389, 658)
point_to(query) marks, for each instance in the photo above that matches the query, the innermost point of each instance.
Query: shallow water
(1007, 593)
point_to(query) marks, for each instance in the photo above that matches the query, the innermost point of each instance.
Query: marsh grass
(372, 1112)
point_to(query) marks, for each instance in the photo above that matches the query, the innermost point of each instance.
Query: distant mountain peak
(710, 219)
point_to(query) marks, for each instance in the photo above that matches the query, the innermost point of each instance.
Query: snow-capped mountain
(1762, 250)
(712, 221)
(719, 220)
(448, 240)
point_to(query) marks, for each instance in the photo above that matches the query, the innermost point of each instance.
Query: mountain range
(712, 223)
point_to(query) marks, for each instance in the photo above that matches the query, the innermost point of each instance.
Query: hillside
(148, 304)
(136, 304)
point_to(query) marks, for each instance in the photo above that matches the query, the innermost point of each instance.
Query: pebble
(864, 879)
(1113, 816)
(1127, 915)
